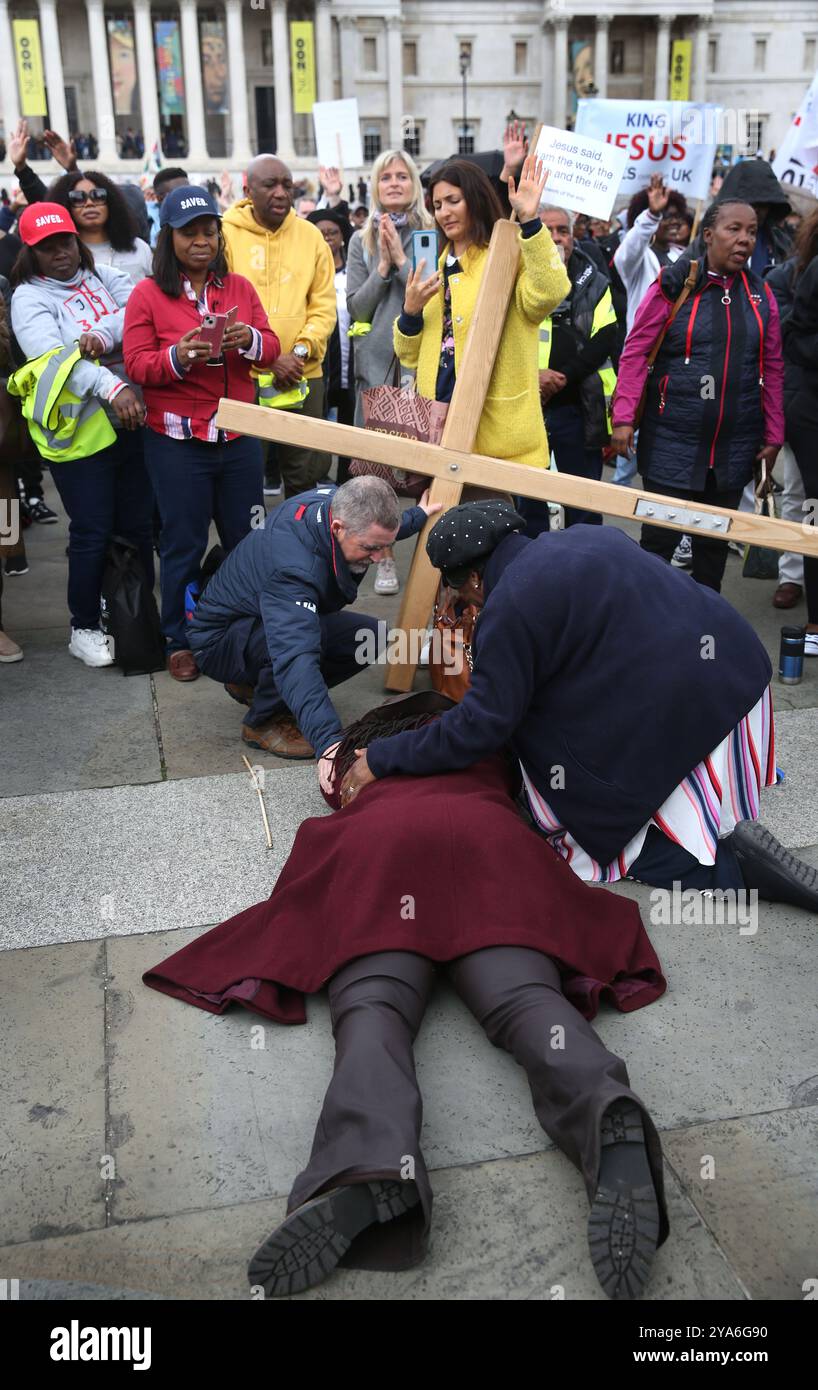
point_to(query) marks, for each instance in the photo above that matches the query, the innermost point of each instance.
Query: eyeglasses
(78, 196)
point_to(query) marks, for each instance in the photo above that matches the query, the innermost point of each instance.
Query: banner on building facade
(681, 57)
(122, 54)
(29, 67)
(796, 162)
(584, 174)
(338, 133)
(169, 67)
(582, 68)
(676, 139)
(215, 75)
(302, 58)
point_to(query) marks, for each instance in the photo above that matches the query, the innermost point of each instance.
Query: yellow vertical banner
(302, 57)
(29, 67)
(680, 59)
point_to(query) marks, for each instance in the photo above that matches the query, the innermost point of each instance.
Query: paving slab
(755, 1184)
(509, 1230)
(52, 1111)
(135, 859)
(793, 816)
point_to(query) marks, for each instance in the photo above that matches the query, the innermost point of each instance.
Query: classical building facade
(214, 79)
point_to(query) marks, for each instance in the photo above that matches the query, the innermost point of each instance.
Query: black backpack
(128, 612)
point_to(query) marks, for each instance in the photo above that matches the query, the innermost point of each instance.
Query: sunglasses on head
(78, 196)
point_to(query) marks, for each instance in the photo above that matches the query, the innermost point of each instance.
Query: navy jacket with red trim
(290, 574)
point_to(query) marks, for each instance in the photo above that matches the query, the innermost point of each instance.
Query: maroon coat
(438, 865)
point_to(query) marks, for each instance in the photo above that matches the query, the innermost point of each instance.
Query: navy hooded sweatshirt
(609, 673)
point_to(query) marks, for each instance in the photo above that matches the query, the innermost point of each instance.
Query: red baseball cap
(44, 219)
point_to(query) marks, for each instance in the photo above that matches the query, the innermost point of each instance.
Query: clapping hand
(525, 197)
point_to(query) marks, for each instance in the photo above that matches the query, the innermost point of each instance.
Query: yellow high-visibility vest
(604, 315)
(62, 424)
(273, 395)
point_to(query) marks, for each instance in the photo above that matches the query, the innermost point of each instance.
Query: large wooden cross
(452, 463)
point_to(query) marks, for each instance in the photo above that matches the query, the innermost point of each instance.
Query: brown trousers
(371, 1117)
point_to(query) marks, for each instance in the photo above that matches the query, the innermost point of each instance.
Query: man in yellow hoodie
(291, 266)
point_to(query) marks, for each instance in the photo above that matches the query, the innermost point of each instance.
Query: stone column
(545, 112)
(661, 89)
(9, 100)
(559, 95)
(52, 62)
(101, 78)
(194, 98)
(323, 50)
(603, 22)
(146, 66)
(394, 74)
(285, 148)
(699, 84)
(239, 122)
(349, 55)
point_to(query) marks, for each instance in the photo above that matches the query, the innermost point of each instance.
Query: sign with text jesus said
(676, 139)
(583, 174)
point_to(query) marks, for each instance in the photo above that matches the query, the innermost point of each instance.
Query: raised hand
(62, 150)
(18, 144)
(515, 146)
(657, 195)
(525, 197)
(331, 182)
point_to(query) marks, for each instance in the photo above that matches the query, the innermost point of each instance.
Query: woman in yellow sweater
(430, 334)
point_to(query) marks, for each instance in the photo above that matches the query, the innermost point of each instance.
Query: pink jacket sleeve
(651, 317)
(772, 392)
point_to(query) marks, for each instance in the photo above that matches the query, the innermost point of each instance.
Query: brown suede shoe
(182, 666)
(787, 595)
(243, 693)
(281, 736)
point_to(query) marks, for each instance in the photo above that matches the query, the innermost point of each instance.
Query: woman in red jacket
(199, 472)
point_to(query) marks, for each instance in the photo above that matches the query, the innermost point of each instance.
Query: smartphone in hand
(424, 248)
(212, 332)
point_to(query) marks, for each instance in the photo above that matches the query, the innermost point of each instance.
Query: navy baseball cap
(182, 205)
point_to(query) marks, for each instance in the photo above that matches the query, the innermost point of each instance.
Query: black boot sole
(771, 870)
(623, 1226)
(306, 1248)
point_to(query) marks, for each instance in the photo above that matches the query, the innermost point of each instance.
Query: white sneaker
(811, 644)
(386, 580)
(91, 646)
(9, 650)
(683, 554)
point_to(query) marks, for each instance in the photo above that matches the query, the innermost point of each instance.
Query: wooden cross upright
(451, 464)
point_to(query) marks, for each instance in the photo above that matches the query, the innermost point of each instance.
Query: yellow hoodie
(293, 271)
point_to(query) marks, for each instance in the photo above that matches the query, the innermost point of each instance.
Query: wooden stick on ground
(261, 800)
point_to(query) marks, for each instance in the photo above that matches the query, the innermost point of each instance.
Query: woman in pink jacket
(200, 473)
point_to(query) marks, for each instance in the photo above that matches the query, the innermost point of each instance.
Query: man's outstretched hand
(358, 776)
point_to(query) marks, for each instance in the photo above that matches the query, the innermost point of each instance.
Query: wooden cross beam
(451, 464)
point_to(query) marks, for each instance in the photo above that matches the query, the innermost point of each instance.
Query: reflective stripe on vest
(62, 424)
(604, 316)
(271, 395)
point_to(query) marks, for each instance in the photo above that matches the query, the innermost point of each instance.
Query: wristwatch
(301, 352)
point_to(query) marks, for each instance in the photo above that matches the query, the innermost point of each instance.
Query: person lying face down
(636, 701)
(529, 948)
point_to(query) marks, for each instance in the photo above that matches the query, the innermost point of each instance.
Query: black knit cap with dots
(464, 537)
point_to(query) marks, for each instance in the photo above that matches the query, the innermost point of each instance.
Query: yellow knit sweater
(511, 425)
(293, 272)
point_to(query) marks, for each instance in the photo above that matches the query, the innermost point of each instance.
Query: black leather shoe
(623, 1227)
(768, 867)
(306, 1247)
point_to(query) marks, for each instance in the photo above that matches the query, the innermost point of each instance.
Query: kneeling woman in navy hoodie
(199, 472)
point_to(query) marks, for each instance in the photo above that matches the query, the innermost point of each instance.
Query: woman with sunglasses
(104, 222)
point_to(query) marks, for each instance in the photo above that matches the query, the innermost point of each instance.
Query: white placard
(797, 160)
(676, 139)
(583, 174)
(338, 129)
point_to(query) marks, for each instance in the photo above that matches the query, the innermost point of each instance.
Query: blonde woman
(378, 267)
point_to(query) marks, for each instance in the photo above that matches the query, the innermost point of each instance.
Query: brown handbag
(654, 352)
(450, 660)
(393, 410)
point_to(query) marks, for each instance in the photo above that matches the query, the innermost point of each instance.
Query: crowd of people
(111, 305)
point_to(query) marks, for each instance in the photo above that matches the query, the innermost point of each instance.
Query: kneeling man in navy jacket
(636, 700)
(269, 624)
